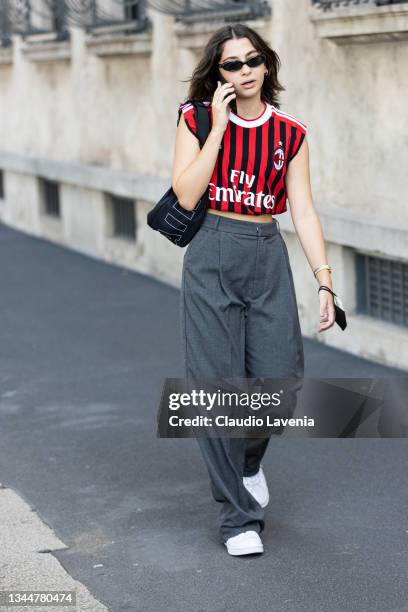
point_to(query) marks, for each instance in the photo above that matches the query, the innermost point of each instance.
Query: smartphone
(233, 103)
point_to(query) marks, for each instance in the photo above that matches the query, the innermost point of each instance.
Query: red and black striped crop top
(249, 174)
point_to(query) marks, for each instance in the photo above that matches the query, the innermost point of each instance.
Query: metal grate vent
(51, 198)
(382, 288)
(124, 218)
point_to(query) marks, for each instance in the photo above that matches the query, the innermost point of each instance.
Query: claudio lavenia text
(223, 420)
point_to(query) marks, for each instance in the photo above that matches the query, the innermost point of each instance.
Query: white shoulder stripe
(187, 106)
(291, 117)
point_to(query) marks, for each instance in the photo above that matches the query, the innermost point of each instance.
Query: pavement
(92, 501)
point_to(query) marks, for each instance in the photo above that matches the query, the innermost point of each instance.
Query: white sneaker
(244, 543)
(258, 488)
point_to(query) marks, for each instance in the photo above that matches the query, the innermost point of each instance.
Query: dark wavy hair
(203, 81)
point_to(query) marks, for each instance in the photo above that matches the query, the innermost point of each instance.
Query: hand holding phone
(220, 105)
(232, 103)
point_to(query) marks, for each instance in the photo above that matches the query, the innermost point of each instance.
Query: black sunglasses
(235, 65)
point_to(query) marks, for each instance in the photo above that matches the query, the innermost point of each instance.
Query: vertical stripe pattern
(249, 174)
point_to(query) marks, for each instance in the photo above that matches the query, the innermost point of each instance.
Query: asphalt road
(84, 347)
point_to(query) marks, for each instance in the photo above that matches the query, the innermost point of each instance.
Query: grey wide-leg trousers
(239, 318)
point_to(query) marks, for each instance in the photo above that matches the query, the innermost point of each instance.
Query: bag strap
(202, 118)
(327, 289)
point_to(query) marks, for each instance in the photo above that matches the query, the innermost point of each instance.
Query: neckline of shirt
(253, 118)
(264, 116)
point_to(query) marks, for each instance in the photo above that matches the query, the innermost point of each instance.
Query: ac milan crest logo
(279, 157)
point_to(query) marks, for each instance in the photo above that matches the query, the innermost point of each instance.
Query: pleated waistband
(238, 226)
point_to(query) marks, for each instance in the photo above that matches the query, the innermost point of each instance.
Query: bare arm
(308, 227)
(192, 166)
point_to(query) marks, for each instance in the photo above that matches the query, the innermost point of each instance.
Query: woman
(239, 314)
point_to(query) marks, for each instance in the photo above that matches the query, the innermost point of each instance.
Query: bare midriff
(266, 218)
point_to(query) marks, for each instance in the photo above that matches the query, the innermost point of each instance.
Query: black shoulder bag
(168, 217)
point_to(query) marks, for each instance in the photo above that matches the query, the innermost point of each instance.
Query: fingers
(222, 88)
(231, 97)
(226, 84)
(327, 314)
(327, 317)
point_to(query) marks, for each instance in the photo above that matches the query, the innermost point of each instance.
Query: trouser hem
(224, 536)
(249, 474)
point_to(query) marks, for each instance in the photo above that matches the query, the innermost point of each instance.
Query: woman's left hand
(327, 312)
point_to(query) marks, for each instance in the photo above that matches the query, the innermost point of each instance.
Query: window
(132, 12)
(194, 11)
(1, 185)
(382, 288)
(121, 15)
